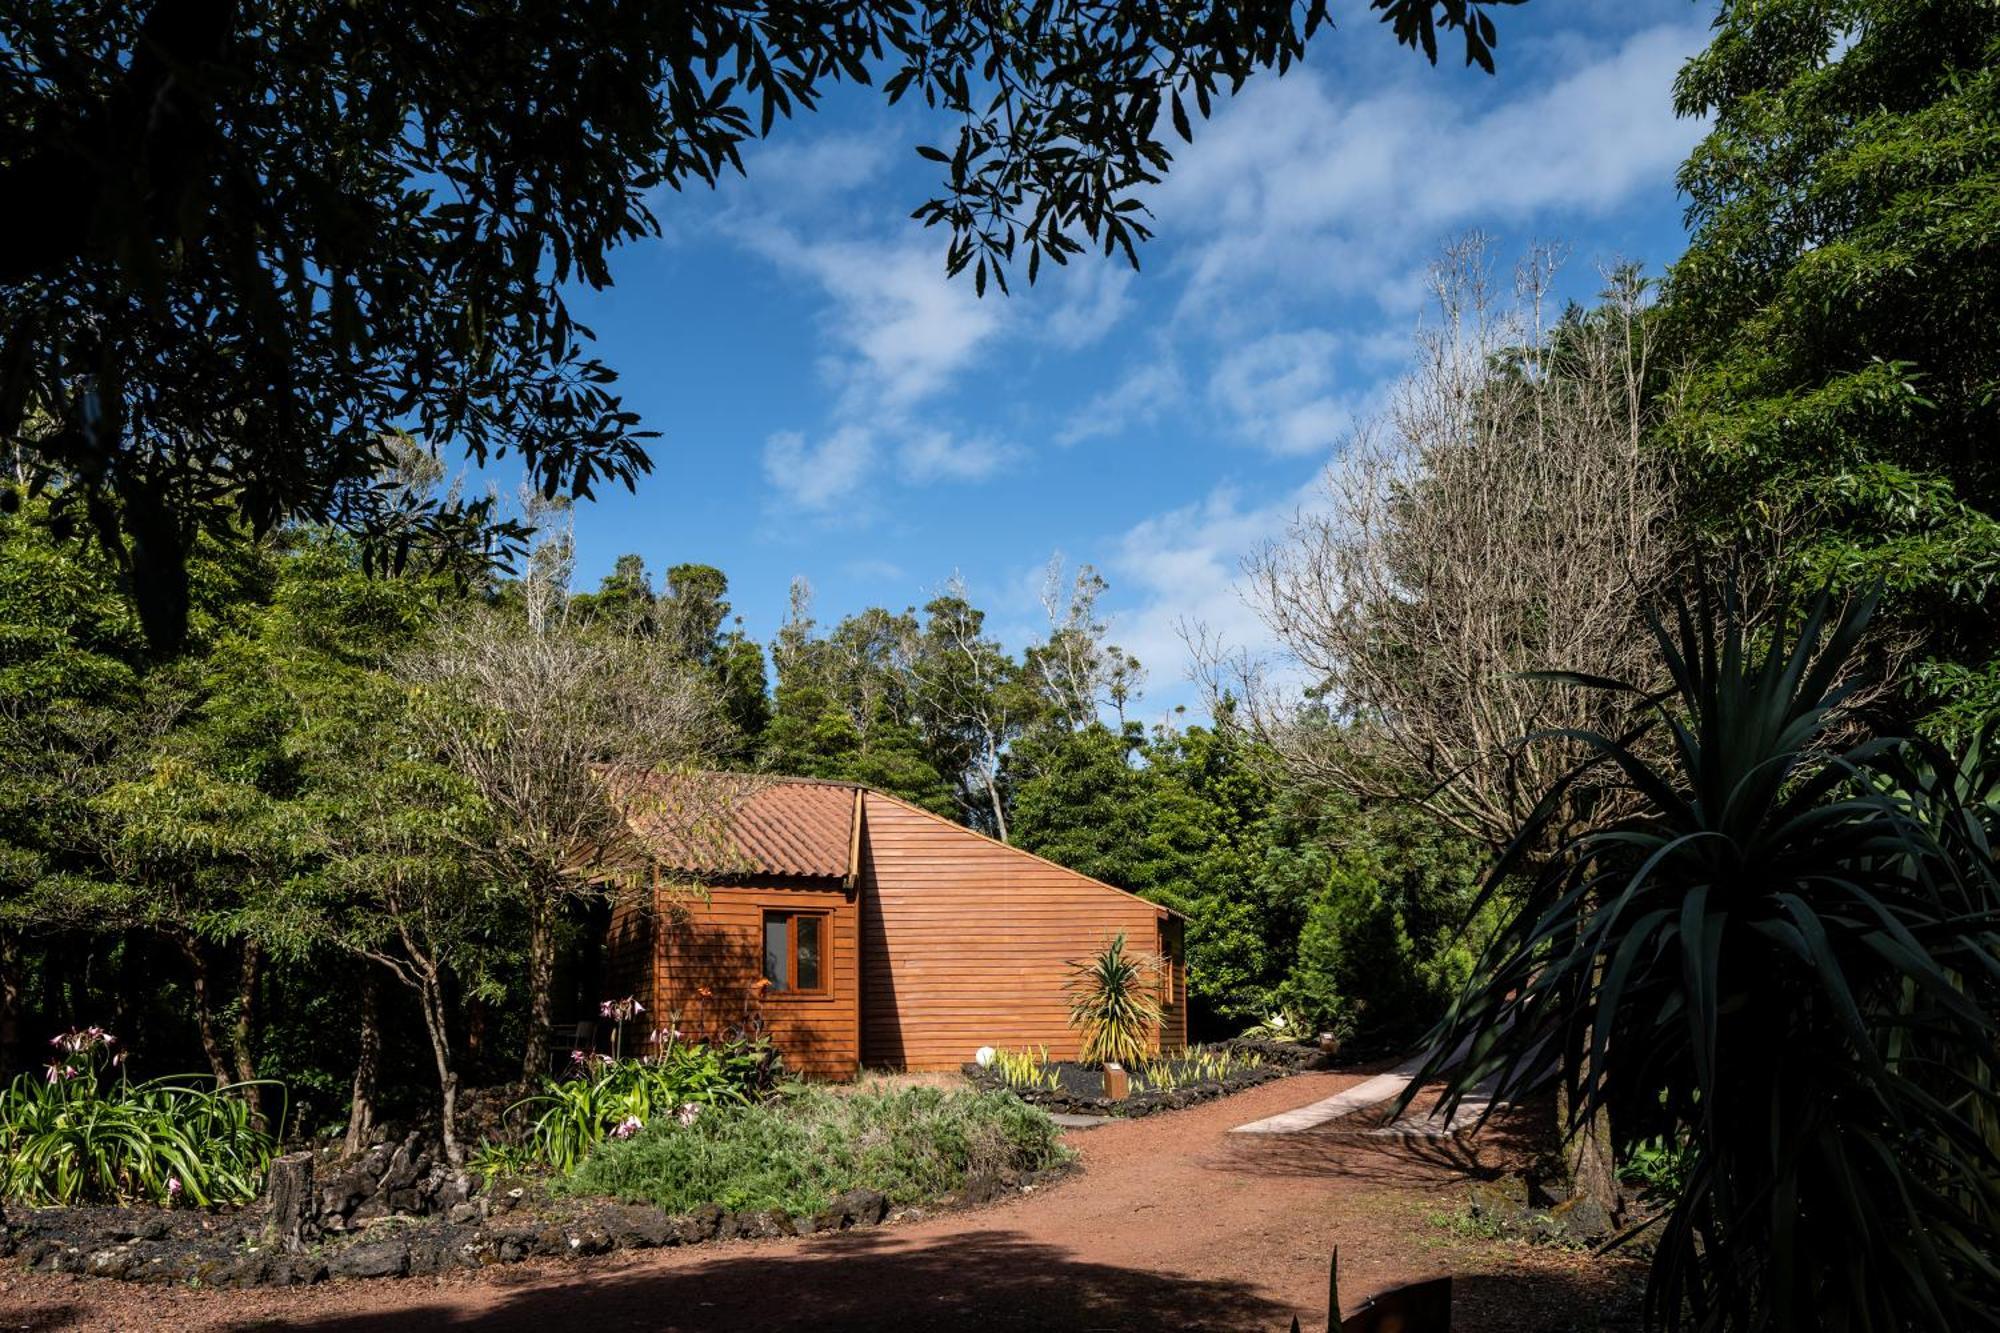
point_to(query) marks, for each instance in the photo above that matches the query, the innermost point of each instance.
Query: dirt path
(1173, 1224)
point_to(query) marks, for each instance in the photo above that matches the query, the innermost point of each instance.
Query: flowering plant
(602, 1098)
(80, 1130)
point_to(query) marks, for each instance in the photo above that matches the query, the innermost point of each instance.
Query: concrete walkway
(1375, 1091)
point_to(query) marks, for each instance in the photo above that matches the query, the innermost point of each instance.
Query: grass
(910, 1144)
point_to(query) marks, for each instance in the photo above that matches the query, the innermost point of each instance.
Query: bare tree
(1501, 519)
(539, 714)
(964, 687)
(1075, 669)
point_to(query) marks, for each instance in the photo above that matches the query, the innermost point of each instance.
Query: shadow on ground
(1604, 1298)
(1347, 1151)
(982, 1280)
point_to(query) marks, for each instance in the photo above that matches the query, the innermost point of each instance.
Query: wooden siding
(718, 945)
(966, 942)
(629, 954)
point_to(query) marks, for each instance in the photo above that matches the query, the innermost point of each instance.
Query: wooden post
(1116, 1085)
(293, 1205)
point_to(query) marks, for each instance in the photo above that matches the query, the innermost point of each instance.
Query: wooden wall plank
(966, 943)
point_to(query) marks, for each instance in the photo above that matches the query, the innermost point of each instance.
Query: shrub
(1787, 946)
(910, 1144)
(1115, 1002)
(69, 1138)
(602, 1098)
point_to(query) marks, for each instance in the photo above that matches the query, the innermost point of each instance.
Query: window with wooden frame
(797, 946)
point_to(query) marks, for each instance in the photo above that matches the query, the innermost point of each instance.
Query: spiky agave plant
(1115, 1003)
(1790, 948)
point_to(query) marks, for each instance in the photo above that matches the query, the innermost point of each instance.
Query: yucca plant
(1789, 948)
(1115, 1004)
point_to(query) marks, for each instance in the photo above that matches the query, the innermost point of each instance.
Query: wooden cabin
(859, 930)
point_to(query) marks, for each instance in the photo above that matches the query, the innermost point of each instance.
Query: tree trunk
(431, 994)
(999, 808)
(1593, 1175)
(541, 980)
(10, 1003)
(367, 1067)
(204, 1010)
(243, 1031)
(291, 1213)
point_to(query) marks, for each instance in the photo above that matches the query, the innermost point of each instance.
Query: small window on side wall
(795, 952)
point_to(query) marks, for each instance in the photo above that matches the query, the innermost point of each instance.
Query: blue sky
(829, 405)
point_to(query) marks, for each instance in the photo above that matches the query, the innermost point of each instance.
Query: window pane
(807, 976)
(774, 952)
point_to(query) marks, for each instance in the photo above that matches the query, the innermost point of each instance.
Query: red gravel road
(1172, 1224)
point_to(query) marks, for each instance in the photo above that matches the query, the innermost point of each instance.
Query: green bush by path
(911, 1144)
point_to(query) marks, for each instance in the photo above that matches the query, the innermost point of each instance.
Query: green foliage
(75, 1134)
(1115, 1003)
(603, 1098)
(1392, 935)
(1196, 1064)
(1787, 954)
(1658, 1168)
(911, 1144)
(1838, 305)
(1025, 1069)
(1186, 818)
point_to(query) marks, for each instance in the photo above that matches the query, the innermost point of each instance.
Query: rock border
(232, 1250)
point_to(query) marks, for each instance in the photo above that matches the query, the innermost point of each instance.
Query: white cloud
(872, 570)
(1279, 390)
(936, 455)
(1185, 567)
(1092, 294)
(1296, 189)
(907, 331)
(800, 175)
(819, 477)
(1139, 399)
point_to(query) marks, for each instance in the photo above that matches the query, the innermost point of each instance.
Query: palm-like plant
(1115, 1003)
(1789, 949)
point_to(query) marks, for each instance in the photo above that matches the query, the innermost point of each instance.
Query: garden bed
(839, 1163)
(1073, 1088)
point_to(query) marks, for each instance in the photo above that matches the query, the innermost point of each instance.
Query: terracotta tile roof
(730, 825)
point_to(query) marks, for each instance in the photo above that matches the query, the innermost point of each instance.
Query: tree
(397, 887)
(969, 703)
(687, 624)
(843, 707)
(69, 677)
(538, 714)
(1837, 302)
(1782, 957)
(1503, 519)
(268, 238)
